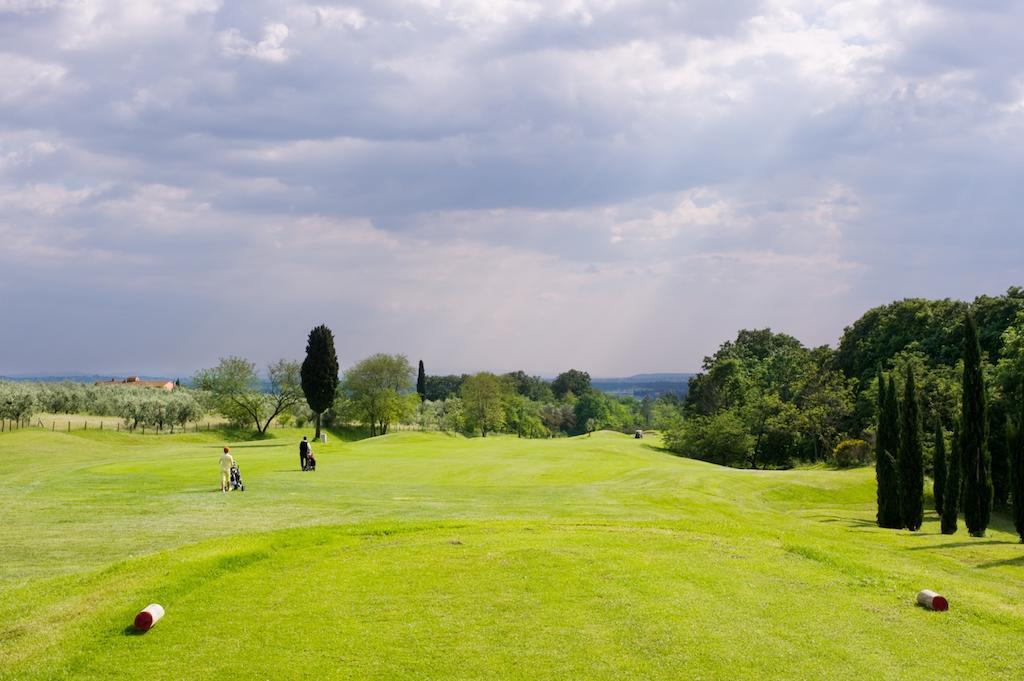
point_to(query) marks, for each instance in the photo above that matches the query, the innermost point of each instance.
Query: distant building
(135, 382)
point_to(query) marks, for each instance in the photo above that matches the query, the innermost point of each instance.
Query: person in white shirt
(226, 461)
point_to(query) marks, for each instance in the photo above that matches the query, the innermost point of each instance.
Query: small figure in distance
(226, 462)
(303, 452)
(638, 434)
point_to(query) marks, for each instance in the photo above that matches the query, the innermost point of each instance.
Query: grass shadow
(958, 544)
(849, 522)
(1002, 520)
(1009, 562)
(130, 630)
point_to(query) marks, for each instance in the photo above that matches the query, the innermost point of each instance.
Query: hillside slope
(432, 556)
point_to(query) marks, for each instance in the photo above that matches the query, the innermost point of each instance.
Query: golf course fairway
(429, 556)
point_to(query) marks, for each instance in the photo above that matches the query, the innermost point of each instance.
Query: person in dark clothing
(303, 452)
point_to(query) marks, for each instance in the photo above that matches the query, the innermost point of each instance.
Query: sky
(615, 186)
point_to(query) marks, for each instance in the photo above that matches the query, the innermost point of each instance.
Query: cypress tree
(1016, 447)
(974, 437)
(951, 495)
(320, 372)
(910, 458)
(939, 466)
(885, 462)
(997, 449)
(892, 405)
(421, 382)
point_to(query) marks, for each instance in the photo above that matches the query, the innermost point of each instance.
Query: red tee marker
(148, 617)
(932, 601)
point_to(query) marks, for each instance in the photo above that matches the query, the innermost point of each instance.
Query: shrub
(851, 453)
(721, 439)
(17, 402)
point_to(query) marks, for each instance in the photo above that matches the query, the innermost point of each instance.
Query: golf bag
(310, 462)
(236, 478)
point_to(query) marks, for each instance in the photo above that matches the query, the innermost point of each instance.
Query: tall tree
(939, 467)
(998, 453)
(571, 381)
(951, 495)
(1016, 446)
(235, 389)
(482, 401)
(974, 436)
(531, 387)
(421, 382)
(910, 458)
(885, 460)
(591, 411)
(320, 372)
(377, 388)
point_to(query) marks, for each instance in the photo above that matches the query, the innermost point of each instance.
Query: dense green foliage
(533, 388)
(997, 451)
(910, 459)
(442, 387)
(932, 327)
(571, 381)
(376, 392)
(977, 502)
(789, 401)
(928, 326)
(17, 401)
(525, 406)
(319, 372)
(852, 453)
(482, 403)
(798, 403)
(929, 335)
(938, 467)
(236, 392)
(886, 449)
(721, 438)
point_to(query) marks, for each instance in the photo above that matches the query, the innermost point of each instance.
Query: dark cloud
(487, 172)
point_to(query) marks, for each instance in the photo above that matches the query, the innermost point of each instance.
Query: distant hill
(642, 385)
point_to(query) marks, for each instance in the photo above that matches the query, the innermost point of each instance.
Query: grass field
(429, 556)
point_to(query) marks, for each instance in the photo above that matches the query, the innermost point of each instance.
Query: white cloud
(23, 78)
(269, 48)
(41, 199)
(105, 24)
(332, 17)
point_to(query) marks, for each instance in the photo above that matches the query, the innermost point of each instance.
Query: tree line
(951, 369)
(136, 406)
(384, 389)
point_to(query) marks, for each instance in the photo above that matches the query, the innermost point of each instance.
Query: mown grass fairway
(429, 556)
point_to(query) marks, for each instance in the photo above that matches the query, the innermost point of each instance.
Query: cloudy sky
(612, 185)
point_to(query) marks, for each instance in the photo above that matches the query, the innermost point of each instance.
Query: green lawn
(428, 556)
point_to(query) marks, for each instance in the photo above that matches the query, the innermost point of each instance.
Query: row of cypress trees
(976, 462)
(963, 479)
(899, 465)
(886, 449)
